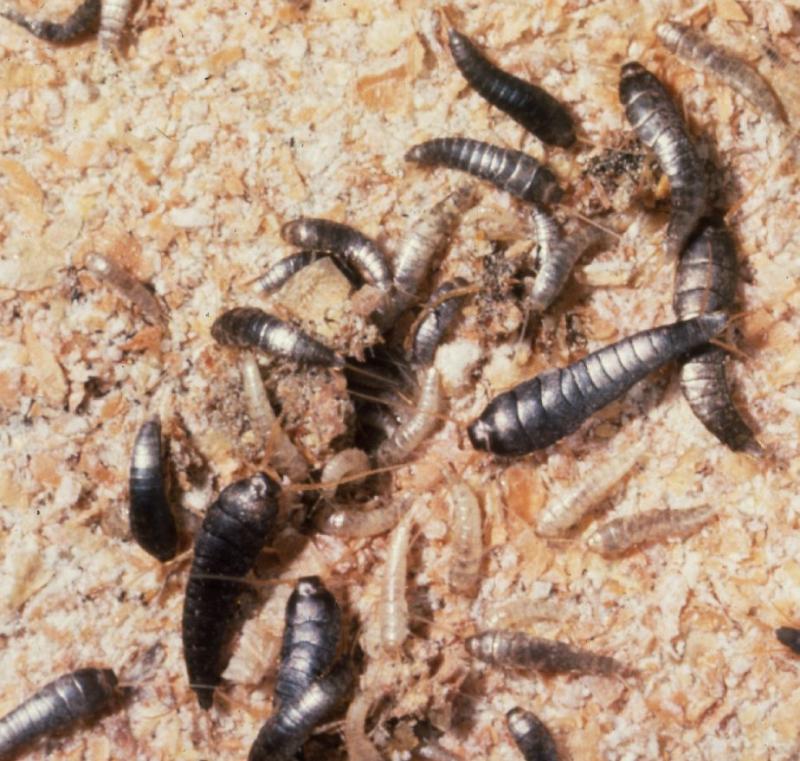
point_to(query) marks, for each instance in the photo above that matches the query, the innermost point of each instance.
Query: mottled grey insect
(706, 281)
(700, 54)
(282, 271)
(286, 732)
(531, 735)
(511, 649)
(230, 539)
(513, 171)
(252, 328)
(659, 125)
(540, 411)
(432, 328)
(83, 21)
(531, 106)
(310, 638)
(790, 637)
(59, 705)
(151, 519)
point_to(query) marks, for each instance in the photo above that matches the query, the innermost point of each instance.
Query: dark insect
(437, 322)
(357, 250)
(705, 282)
(513, 171)
(252, 328)
(60, 704)
(286, 732)
(790, 637)
(540, 411)
(280, 273)
(310, 639)
(531, 106)
(84, 20)
(511, 649)
(532, 737)
(152, 522)
(230, 539)
(659, 125)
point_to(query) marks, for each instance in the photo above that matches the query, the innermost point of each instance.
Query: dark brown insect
(706, 281)
(310, 638)
(659, 125)
(513, 171)
(540, 411)
(151, 519)
(789, 636)
(230, 539)
(252, 328)
(531, 106)
(59, 705)
(433, 327)
(532, 737)
(83, 21)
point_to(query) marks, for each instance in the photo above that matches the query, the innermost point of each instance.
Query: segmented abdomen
(113, 16)
(531, 735)
(432, 328)
(531, 106)
(540, 411)
(513, 171)
(83, 20)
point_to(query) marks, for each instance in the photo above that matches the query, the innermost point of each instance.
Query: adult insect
(532, 737)
(84, 20)
(434, 325)
(540, 411)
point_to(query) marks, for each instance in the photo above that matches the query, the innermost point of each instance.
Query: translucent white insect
(516, 612)
(359, 746)
(467, 535)
(378, 518)
(622, 534)
(394, 606)
(348, 462)
(113, 17)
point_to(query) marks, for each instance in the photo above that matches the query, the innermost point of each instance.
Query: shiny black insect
(230, 539)
(310, 639)
(513, 171)
(790, 637)
(252, 328)
(286, 732)
(60, 704)
(432, 328)
(659, 125)
(540, 411)
(151, 519)
(532, 737)
(706, 282)
(531, 106)
(84, 20)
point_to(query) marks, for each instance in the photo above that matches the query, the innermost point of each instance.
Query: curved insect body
(433, 327)
(511, 649)
(653, 116)
(394, 607)
(286, 732)
(467, 535)
(113, 17)
(513, 171)
(230, 539)
(706, 281)
(354, 247)
(359, 746)
(531, 735)
(59, 705)
(540, 411)
(790, 637)
(348, 462)
(151, 519)
(310, 638)
(622, 534)
(352, 523)
(252, 328)
(531, 106)
(282, 271)
(702, 55)
(84, 19)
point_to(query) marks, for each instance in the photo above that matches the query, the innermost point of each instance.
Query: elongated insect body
(511, 649)
(706, 281)
(113, 17)
(110, 272)
(84, 19)
(657, 122)
(394, 607)
(286, 732)
(557, 256)
(252, 328)
(310, 638)
(622, 534)
(419, 426)
(520, 611)
(565, 511)
(467, 535)
(790, 637)
(531, 106)
(424, 238)
(345, 463)
(433, 327)
(57, 706)
(540, 411)
(353, 523)
(531, 735)
(152, 522)
(280, 273)
(359, 746)
(702, 55)
(354, 247)
(513, 171)
(230, 539)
